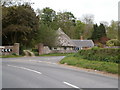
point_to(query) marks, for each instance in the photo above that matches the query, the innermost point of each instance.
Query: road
(45, 72)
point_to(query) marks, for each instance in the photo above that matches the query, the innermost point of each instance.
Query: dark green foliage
(47, 27)
(20, 24)
(100, 54)
(46, 35)
(95, 34)
(98, 32)
(102, 30)
(48, 16)
(35, 51)
(14, 54)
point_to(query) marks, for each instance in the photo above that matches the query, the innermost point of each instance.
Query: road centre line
(26, 69)
(70, 85)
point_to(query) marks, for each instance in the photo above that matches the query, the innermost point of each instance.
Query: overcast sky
(103, 10)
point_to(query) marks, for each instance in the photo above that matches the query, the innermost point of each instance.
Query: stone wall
(8, 50)
(46, 50)
(63, 51)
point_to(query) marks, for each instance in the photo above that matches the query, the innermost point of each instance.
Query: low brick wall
(8, 50)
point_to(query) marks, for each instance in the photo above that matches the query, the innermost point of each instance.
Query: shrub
(35, 50)
(95, 48)
(113, 42)
(100, 54)
(14, 54)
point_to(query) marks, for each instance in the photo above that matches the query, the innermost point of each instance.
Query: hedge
(100, 54)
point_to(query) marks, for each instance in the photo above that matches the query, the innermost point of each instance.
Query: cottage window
(55, 48)
(65, 48)
(77, 48)
(50, 48)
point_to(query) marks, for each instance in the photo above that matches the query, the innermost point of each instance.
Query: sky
(103, 10)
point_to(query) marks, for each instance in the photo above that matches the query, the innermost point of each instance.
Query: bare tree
(14, 2)
(106, 24)
(88, 19)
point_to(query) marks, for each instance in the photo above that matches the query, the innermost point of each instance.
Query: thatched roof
(83, 43)
(63, 39)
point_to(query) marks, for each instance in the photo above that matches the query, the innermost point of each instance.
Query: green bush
(95, 48)
(14, 54)
(100, 54)
(113, 42)
(35, 50)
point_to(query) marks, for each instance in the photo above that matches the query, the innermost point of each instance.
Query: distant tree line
(20, 23)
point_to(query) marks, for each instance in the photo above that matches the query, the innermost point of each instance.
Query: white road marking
(70, 85)
(26, 69)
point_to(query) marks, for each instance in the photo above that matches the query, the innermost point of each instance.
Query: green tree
(48, 26)
(102, 30)
(98, 32)
(67, 22)
(20, 24)
(79, 31)
(47, 16)
(46, 35)
(95, 34)
(112, 30)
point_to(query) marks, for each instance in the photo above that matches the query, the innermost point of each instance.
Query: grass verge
(10, 56)
(57, 54)
(95, 65)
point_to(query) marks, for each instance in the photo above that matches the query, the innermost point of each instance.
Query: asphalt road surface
(45, 72)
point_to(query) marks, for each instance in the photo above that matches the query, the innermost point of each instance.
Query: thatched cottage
(63, 43)
(66, 45)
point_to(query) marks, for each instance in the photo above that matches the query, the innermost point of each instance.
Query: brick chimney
(81, 37)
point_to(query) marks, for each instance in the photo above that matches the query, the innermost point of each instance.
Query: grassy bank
(101, 54)
(109, 67)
